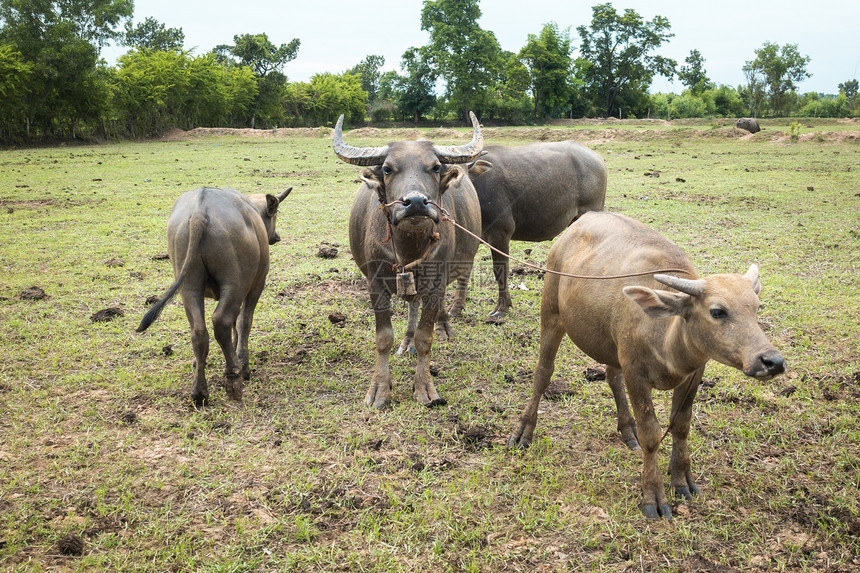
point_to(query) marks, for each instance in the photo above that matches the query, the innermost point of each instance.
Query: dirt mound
(284, 132)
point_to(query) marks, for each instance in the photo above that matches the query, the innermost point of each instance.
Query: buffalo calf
(218, 241)
(649, 338)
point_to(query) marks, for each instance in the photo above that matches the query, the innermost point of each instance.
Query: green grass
(98, 438)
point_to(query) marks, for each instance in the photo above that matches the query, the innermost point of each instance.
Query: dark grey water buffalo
(218, 241)
(395, 227)
(748, 123)
(648, 337)
(533, 193)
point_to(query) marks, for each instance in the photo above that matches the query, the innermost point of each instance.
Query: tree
(368, 70)
(850, 89)
(467, 57)
(547, 57)
(59, 43)
(777, 69)
(417, 86)
(153, 35)
(616, 56)
(267, 61)
(321, 101)
(694, 75)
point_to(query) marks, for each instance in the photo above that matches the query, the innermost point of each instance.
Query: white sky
(337, 34)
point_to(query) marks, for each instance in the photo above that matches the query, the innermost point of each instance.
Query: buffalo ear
(479, 167)
(659, 303)
(452, 174)
(372, 176)
(272, 203)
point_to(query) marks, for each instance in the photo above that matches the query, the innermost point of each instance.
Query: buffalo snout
(414, 205)
(276, 238)
(767, 365)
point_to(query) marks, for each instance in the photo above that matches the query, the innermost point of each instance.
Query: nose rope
(397, 266)
(447, 217)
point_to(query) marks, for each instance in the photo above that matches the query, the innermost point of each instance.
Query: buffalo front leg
(224, 324)
(379, 392)
(246, 319)
(550, 338)
(626, 422)
(682, 412)
(654, 502)
(423, 388)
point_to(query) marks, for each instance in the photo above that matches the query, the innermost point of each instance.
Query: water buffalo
(218, 241)
(533, 193)
(395, 228)
(748, 123)
(647, 337)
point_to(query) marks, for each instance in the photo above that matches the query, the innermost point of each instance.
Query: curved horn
(463, 153)
(752, 274)
(686, 286)
(283, 195)
(363, 156)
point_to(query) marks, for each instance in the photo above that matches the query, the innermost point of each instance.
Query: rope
(447, 217)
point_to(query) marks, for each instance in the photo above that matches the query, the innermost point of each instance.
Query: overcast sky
(337, 34)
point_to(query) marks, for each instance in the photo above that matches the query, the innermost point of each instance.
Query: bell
(406, 284)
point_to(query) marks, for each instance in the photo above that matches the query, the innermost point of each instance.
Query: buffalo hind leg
(423, 388)
(459, 303)
(194, 310)
(501, 270)
(682, 412)
(408, 344)
(551, 334)
(626, 422)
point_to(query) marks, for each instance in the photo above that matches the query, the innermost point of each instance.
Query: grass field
(105, 464)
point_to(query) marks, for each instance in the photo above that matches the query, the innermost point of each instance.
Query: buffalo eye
(386, 169)
(719, 313)
(437, 168)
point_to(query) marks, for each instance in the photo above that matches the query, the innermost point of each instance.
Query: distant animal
(533, 193)
(218, 241)
(396, 230)
(648, 337)
(750, 124)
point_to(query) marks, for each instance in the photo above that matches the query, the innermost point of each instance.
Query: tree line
(54, 85)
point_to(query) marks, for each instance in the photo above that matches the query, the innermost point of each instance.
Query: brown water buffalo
(533, 193)
(648, 338)
(218, 241)
(750, 124)
(395, 227)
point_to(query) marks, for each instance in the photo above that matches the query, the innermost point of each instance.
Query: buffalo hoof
(687, 493)
(514, 441)
(652, 512)
(200, 401)
(633, 444)
(437, 402)
(234, 386)
(406, 347)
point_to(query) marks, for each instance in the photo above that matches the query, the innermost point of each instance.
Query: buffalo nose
(417, 200)
(774, 362)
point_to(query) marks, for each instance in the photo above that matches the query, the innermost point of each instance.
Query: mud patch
(33, 293)
(107, 314)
